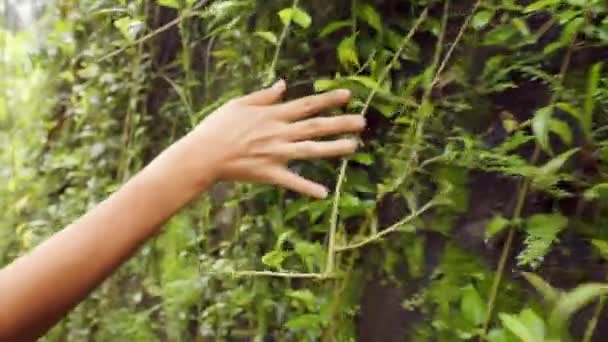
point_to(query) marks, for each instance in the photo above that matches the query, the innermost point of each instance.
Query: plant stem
(277, 52)
(333, 223)
(589, 331)
(276, 274)
(521, 199)
(459, 36)
(388, 230)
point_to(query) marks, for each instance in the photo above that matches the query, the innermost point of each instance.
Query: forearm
(40, 288)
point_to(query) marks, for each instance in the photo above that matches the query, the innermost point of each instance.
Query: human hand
(252, 138)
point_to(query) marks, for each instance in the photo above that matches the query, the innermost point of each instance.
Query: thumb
(266, 96)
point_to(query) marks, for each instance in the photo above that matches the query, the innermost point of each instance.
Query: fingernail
(279, 86)
(324, 194)
(343, 93)
(363, 121)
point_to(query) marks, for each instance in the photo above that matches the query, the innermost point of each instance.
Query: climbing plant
(474, 210)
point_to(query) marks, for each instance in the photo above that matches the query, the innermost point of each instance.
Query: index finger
(311, 105)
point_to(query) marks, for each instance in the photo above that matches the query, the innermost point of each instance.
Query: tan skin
(252, 139)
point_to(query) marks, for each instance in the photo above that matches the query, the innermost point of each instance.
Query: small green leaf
(562, 129)
(268, 36)
(570, 109)
(546, 225)
(550, 294)
(571, 30)
(304, 322)
(496, 225)
(370, 16)
(322, 85)
(555, 164)
(500, 35)
(517, 327)
(592, 86)
(333, 27)
(90, 71)
(482, 18)
(535, 324)
(129, 27)
(364, 158)
(274, 259)
(347, 52)
(539, 5)
(599, 191)
(296, 15)
(601, 246)
(169, 3)
(573, 301)
(305, 296)
(368, 82)
(472, 306)
(541, 127)
(521, 26)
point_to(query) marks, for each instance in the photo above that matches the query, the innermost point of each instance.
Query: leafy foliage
(487, 154)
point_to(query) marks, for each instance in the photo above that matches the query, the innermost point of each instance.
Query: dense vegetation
(476, 209)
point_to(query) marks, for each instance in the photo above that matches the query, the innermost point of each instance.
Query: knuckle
(316, 124)
(309, 105)
(310, 147)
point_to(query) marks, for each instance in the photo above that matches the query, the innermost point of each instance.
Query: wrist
(190, 168)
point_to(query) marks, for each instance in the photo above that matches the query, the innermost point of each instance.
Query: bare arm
(249, 139)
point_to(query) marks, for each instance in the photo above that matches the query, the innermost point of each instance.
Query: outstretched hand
(252, 138)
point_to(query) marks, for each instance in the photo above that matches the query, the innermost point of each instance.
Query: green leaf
(268, 36)
(304, 322)
(322, 85)
(274, 259)
(550, 294)
(573, 301)
(555, 164)
(539, 5)
(535, 324)
(482, 18)
(90, 71)
(570, 109)
(296, 15)
(333, 27)
(592, 86)
(368, 82)
(562, 129)
(169, 3)
(364, 158)
(304, 295)
(521, 26)
(517, 327)
(599, 191)
(129, 27)
(571, 30)
(347, 52)
(370, 16)
(601, 246)
(541, 127)
(500, 35)
(546, 225)
(496, 225)
(472, 306)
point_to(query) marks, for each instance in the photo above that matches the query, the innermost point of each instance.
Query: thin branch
(590, 330)
(167, 26)
(274, 274)
(388, 230)
(521, 200)
(343, 167)
(277, 52)
(459, 36)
